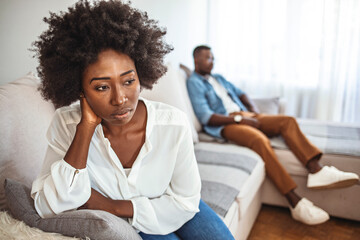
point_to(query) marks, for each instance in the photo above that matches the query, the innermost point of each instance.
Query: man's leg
(288, 128)
(302, 209)
(254, 139)
(205, 225)
(307, 153)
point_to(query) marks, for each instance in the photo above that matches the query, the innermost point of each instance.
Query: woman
(116, 151)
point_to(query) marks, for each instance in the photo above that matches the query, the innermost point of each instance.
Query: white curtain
(306, 51)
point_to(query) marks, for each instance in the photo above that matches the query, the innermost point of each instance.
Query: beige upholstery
(25, 116)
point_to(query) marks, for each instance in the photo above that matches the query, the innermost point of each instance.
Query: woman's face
(111, 87)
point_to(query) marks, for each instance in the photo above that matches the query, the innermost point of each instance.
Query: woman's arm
(120, 208)
(63, 183)
(77, 153)
(181, 197)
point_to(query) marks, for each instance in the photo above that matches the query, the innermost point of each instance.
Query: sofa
(233, 177)
(231, 188)
(340, 143)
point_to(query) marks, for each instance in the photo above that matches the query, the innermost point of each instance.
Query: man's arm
(220, 120)
(202, 110)
(249, 104)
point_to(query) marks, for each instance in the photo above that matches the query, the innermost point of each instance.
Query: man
(227, 112)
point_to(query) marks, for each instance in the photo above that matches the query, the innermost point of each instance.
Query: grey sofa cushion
(94, 224)
(223, 174)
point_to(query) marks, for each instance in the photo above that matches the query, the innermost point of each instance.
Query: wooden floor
(276, 223)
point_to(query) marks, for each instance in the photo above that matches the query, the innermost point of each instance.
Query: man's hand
(247, 119)
(253, 122)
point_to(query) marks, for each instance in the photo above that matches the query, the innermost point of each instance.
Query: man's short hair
(198, 49)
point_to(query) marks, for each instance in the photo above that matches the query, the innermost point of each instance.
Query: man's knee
(251, 137)
(259, 140)
(290, 119)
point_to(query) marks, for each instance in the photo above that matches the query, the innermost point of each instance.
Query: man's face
(204, 62)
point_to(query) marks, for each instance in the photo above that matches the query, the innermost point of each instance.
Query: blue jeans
(205, 225)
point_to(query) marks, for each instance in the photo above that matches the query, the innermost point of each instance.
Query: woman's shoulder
(64, 123)
(163, 113)
(69, 114)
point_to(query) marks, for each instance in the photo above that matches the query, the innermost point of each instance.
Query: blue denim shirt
(206, 102)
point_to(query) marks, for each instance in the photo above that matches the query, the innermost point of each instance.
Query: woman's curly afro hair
(75, 38)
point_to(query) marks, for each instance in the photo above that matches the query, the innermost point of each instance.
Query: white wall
(21, 24)
(186, 22)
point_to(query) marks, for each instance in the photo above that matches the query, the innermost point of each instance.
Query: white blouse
(163, 184)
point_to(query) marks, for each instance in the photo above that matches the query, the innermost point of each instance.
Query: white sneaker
(306, 212)
(331, 177)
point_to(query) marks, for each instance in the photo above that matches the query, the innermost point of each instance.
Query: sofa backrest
(171, 89)
(25, 118)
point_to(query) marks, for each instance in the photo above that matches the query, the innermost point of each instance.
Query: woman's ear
(81, 95)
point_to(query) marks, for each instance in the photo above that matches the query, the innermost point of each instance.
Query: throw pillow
(94, 224)
(268, 105)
